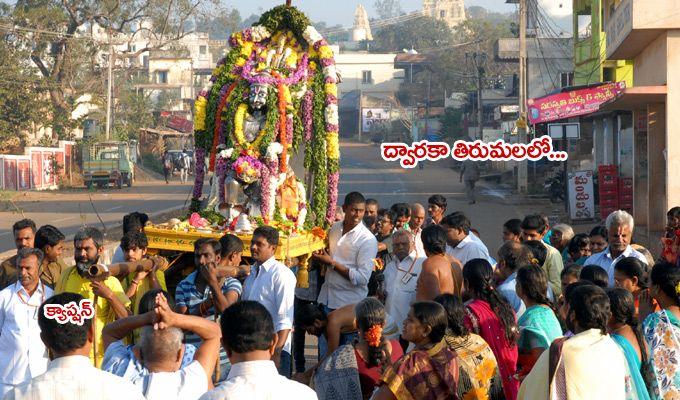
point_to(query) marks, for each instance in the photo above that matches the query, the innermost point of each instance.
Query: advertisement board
(581, 195)
(572, 103)
(370, 116)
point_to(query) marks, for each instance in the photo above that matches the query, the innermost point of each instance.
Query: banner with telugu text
(573, 103)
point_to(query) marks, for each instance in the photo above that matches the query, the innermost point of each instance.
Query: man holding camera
(108, 295)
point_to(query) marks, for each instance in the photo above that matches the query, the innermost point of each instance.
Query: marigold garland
(373, 335)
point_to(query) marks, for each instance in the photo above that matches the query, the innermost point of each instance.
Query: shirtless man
(339, 326)
(441, 273)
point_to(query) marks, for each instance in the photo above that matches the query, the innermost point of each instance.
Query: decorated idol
(275, 90)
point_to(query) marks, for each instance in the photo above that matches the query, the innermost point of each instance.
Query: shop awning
(635, 98)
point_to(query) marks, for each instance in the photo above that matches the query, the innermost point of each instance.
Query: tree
(22, 95)
(219, 21)
(422, 34)
(388, 8)
(71, 61)
(452, 123)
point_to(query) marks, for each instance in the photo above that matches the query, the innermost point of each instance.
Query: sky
(342, 11)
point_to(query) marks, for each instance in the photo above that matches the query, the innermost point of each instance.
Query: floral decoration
(373, 335)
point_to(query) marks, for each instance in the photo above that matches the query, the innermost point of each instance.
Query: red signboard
(180, 124)
(10, 171)
(572, 103)
(24, 169)
(36, 167)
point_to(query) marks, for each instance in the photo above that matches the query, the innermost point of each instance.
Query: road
(362, 169)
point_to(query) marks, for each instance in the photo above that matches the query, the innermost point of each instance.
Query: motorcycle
(554, 187)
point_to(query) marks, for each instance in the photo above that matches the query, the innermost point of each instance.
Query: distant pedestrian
(167, 167)
(469, 173)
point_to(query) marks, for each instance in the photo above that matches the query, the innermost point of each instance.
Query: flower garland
(247, 168)
(225, 92)
(239, 135)
(198, 180)
(373, 335)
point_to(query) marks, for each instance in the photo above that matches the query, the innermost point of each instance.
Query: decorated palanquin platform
(296, 245)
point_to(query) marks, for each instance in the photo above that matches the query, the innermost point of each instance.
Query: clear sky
(342, 11)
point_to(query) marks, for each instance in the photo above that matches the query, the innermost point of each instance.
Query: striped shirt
(187, 295)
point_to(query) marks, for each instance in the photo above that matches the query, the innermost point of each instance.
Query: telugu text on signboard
(572, 103)
(581, 195)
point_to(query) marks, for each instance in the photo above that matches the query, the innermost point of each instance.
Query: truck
(109, 163)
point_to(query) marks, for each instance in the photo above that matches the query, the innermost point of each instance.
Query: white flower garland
(259, 33)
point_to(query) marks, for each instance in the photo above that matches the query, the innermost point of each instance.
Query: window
(203, 50)
(161, 76)
(442, 14)
(584, 26)
(145, 61)
(566, 79)
(366, 77)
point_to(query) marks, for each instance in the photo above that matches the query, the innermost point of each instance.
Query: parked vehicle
(554, 187)
(109, 163)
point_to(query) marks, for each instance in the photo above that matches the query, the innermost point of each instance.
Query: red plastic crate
(609, 196)
(626, 198)
(608, 180)
(608, 192)
(609, 203)
(626, 182)
(608, 169)
(625, 192)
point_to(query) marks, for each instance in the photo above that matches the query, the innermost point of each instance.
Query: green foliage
(133, 111)
(220, 23)
(452, 121)
(283, 17)
(420, 33)
(22, 95)
(388, 8)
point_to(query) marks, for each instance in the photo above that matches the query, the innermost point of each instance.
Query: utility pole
(109, 90)
(479, 62)
(522, 175)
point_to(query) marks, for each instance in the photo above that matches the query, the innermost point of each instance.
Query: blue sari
(634, 367)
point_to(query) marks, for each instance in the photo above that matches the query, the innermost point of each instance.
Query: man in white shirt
(250, 340)
(620, 226)
(162, 352)
(272, 284)
(401, 276)
(24, 355)
(416, 225)
(461, 243)
(352, 250)
(70, 373)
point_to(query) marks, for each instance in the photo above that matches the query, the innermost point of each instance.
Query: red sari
(481, 319)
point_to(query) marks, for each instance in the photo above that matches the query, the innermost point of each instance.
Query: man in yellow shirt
(110, 300)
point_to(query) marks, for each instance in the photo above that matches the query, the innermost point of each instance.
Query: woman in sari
(624, 328)
(477, 367)
(490, 316)
(353, 371)
(538, 326)
(430, 370)
(633, 275)
(662, 332)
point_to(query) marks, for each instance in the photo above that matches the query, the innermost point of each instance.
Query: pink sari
(481, 319)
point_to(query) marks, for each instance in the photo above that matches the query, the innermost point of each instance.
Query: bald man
(416, 225)
(440, 274)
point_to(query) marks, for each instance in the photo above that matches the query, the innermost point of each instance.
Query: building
(361, 30)
(636, 30)
(550, 62)
(450, 11)
(171, 81)
(369, 83)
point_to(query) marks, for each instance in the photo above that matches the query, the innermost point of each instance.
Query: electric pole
(109, 90)
(479, 62)
(522, 126)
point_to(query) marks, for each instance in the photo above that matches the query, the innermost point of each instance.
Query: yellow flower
(241, 141)
(240, 62)
(247, 49)
(325, 52)
(199, 113)
(331, 88)
(677, 289)
(312, 65)
(292, 60)
(333, 146)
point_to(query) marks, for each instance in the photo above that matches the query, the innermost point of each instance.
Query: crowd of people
(407, 302)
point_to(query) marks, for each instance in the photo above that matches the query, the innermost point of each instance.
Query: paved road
(70, 210)
(362, 169)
